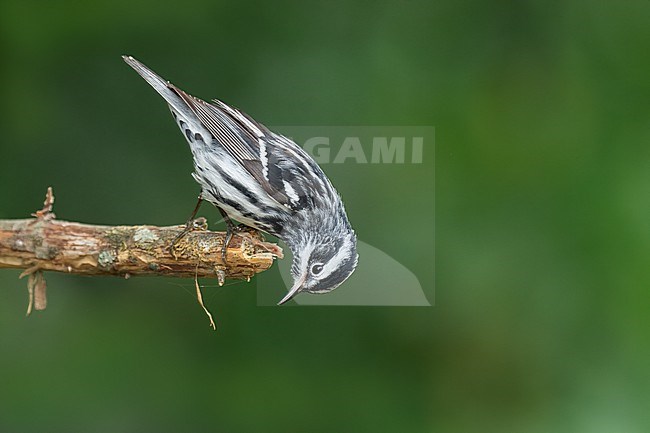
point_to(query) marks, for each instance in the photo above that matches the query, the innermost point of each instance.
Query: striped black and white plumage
(265, 181)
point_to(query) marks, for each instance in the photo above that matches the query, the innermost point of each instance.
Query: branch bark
(125, 251)
(46, 244)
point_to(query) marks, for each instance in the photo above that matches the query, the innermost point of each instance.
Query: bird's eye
(317, 268)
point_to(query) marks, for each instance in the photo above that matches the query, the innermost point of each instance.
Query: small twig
(28, 272)
(199, 297)
(46, 212)
(36, 288)
(30, 291)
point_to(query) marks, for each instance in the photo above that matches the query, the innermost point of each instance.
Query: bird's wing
(284, 170)
(273, 163)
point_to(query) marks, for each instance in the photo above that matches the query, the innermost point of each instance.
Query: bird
(265, 181)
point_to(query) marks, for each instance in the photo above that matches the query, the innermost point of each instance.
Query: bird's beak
(297, 287)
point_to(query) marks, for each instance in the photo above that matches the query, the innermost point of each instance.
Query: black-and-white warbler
(265, 181)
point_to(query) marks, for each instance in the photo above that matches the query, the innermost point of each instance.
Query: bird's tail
(163, 87)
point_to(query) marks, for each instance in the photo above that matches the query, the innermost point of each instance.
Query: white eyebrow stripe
(336, 261)
(304, 259)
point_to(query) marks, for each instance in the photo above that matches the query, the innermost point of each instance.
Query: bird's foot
(198, 224)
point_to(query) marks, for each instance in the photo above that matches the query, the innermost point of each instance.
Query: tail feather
(163, 87)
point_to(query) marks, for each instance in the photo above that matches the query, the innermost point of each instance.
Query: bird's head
(322, 261)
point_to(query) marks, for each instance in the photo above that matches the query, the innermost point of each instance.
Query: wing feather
(285, 172)
(244, 139)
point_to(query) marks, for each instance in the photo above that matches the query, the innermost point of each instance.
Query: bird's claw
(198, 224)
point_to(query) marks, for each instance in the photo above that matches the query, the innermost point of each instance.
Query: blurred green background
(542, 216)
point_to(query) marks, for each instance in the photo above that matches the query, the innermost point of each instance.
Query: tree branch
(46, 244)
